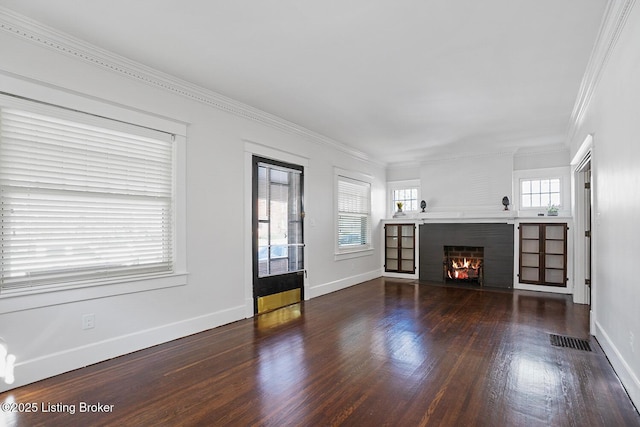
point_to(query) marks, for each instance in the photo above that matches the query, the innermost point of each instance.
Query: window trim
(540, 193)
(360, 250)
(401, 185)
(561, 173)
(68, 106)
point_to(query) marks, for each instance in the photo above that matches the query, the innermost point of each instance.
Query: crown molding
(32, 31)
(613, 21)
(404, 165)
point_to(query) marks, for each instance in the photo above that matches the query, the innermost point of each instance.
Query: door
(587, 232)
(278, 241)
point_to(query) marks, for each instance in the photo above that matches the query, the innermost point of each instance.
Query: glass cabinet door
(400, 248)
(543, 254)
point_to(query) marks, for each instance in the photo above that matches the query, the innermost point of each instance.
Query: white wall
(403, 171)
(612, 118)
(475, 183)
(553, 157)
(49, 340)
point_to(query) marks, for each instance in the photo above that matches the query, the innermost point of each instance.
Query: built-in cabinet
(400, 248)
(543, 254)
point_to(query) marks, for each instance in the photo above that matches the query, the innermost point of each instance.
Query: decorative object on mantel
(423, 205)
(505, 202)
(399, 213)
(552, 210)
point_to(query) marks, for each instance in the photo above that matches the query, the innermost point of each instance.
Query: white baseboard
(50, 365)
(327, 288)
(628, 378)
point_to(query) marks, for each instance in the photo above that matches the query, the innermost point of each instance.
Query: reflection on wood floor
(385, 352)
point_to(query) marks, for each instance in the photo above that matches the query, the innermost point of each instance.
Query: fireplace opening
(463, 264)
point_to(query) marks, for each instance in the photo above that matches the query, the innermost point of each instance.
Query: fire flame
(461, 268)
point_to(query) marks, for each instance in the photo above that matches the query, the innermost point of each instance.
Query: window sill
(355, 253)
(541, 213)
(26, 299)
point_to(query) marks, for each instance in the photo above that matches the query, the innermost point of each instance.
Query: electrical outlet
(631, 341)
(88, 321)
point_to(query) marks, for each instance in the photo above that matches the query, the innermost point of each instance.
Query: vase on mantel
(399, 212)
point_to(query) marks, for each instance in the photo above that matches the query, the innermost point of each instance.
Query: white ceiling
(399, 80)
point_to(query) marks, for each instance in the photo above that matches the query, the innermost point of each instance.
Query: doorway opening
(583, 196)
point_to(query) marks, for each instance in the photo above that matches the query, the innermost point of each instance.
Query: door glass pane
(554, 247)
(278, 214)
(530, 260)
(296, 258)
(279, 205)
(407, 242)
(530, 231)
(279, 176)
(530, 246)
(529, 274)
(554, 276)
(263, 248)
(407, 265)
(262, 194)
(555, 232)
(278, 266)
(554, 261)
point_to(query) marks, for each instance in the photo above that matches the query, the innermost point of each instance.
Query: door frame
(584, 156)
(252, 148)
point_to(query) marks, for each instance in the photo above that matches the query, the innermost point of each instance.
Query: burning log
(464, 269)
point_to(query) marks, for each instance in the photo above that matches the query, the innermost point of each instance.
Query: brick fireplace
(496, 241)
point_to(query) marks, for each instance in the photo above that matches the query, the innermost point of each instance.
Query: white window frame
(561, 173)
(393, 186)
(67, 107)
(342, 252)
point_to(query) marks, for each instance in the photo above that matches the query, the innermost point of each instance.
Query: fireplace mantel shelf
(466, 217)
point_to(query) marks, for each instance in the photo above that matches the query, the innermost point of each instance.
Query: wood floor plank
(387, 352)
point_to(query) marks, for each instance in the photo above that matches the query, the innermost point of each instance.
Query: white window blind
(354, 213)
(81, 202)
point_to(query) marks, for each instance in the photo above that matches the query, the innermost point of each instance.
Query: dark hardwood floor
(385, 352)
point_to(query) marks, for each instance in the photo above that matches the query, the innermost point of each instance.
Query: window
(536, 189)
(408, 197)
(82, 202)
(354, 214)
(540, 192)
(407, 192)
